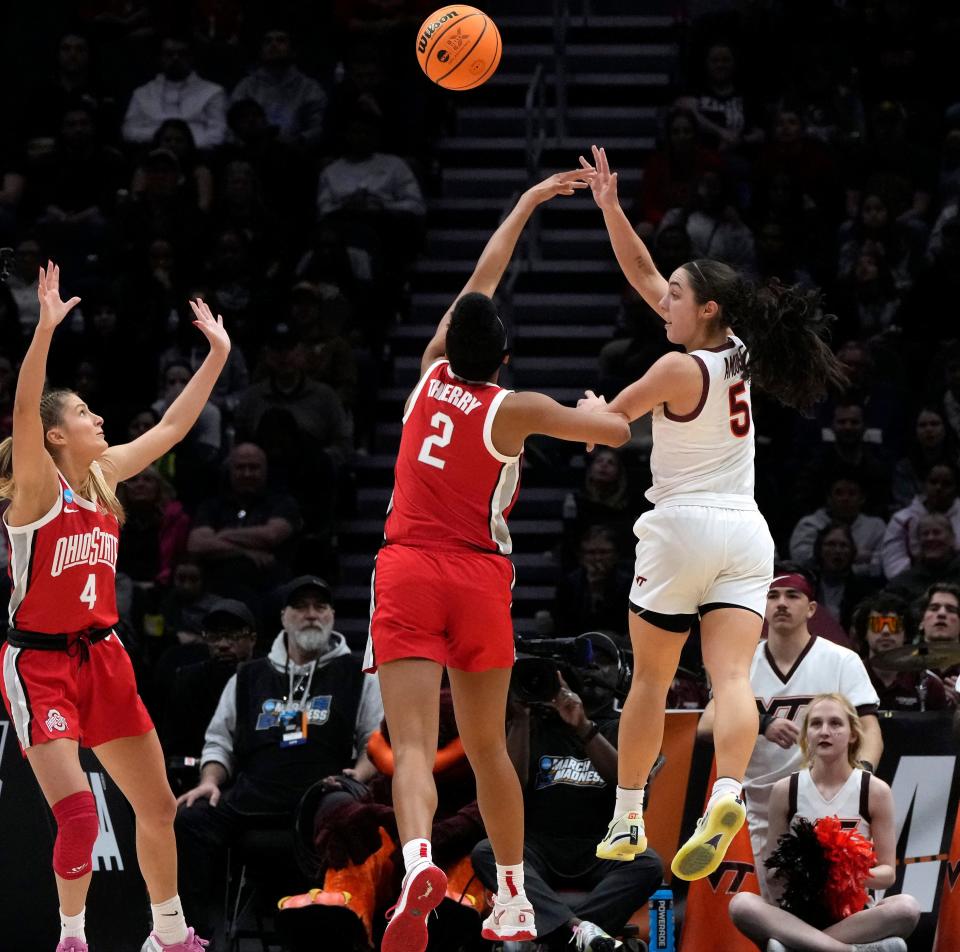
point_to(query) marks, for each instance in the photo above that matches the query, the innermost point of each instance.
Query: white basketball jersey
(705, 458)
(850, 804)
(822, 667)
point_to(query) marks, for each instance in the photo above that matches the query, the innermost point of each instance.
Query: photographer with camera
(563, 744)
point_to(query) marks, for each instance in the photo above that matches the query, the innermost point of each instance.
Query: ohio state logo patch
(55, 720)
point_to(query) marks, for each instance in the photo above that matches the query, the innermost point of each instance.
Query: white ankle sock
(168, 922)
(509, 882)
(71, 927)
(416, 852)
(724, 785)
(629, 800)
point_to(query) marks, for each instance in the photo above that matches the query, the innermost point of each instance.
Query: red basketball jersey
(63, 567)
(451, 486)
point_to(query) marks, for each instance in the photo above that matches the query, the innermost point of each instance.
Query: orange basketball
(458, 47)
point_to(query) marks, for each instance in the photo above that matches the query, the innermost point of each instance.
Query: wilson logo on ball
(458, 47)
(432, 28)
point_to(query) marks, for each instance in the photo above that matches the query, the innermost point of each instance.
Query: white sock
(168, 922)
(415, 853)
(509, 882)
(724, 785)
(628, 801)
(71, 927)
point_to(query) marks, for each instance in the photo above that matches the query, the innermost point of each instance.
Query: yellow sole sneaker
(704, 851)
(625, 838)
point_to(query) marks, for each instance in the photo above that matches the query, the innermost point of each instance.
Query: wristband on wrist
(765, 721)
(591, 733)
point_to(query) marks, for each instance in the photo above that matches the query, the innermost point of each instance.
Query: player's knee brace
(77, 828)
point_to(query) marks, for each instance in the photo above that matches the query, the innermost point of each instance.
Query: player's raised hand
(603, 184)
(52, 309)
(211, 327)
(561, 183)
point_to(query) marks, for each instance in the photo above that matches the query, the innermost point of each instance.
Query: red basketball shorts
(50, 694)
(451, 606)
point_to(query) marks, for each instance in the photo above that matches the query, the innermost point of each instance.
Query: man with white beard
(284, 722)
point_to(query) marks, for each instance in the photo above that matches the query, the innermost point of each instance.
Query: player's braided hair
(784, 328)
(94, 486)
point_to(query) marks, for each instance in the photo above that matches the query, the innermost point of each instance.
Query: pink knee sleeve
(77, 828)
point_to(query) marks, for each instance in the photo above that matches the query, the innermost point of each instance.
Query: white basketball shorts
(691, 556)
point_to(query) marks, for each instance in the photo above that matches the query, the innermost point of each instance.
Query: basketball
(458, 47)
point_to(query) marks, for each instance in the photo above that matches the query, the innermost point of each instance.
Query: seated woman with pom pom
(833, 826)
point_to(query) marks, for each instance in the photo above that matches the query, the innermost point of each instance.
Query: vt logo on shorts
(640, 579)
(55, 720)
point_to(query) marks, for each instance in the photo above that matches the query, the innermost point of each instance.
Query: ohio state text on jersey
(452, 488)
(63, 567)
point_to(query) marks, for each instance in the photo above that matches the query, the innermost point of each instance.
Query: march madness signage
(117, 910)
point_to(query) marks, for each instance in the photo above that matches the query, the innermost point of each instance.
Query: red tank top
(63, 567)
(451, 487)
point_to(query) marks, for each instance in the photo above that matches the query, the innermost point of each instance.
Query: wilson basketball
(458, 47)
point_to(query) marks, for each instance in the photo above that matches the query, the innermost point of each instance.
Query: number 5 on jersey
(444, 424)
(89, 594)
(739, 410)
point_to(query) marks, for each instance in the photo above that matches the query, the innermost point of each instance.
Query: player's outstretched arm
(674, 378)
(128, 459)
(34, 472)
(522, 414)
(499, 249)
(632, 254)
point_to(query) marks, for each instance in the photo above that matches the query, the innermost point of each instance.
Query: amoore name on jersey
(735, 364)
(84, 548)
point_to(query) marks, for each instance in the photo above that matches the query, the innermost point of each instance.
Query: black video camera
(541, 661)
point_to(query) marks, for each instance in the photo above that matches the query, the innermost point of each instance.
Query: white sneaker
(893, 944)
(510, 921)
(625, 838)
(423, 890)
(589, 936)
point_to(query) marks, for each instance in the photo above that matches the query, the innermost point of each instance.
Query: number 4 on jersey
(739, 410)
(89, 594)
(439, 421)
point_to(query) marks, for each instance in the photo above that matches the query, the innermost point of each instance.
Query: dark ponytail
(784, 328)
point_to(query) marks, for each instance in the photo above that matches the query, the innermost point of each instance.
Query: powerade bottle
(661, 921)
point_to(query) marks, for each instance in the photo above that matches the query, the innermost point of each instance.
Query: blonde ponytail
(95, 488)
(6, 468)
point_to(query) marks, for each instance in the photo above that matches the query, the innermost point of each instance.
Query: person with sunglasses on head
(880, 624)
(704, 551)
(788, 669)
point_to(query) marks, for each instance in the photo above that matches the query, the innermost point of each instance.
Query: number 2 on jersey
(739, 410)
(442, 422)
(89, 594)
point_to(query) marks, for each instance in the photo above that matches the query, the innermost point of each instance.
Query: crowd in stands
(278, 167)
